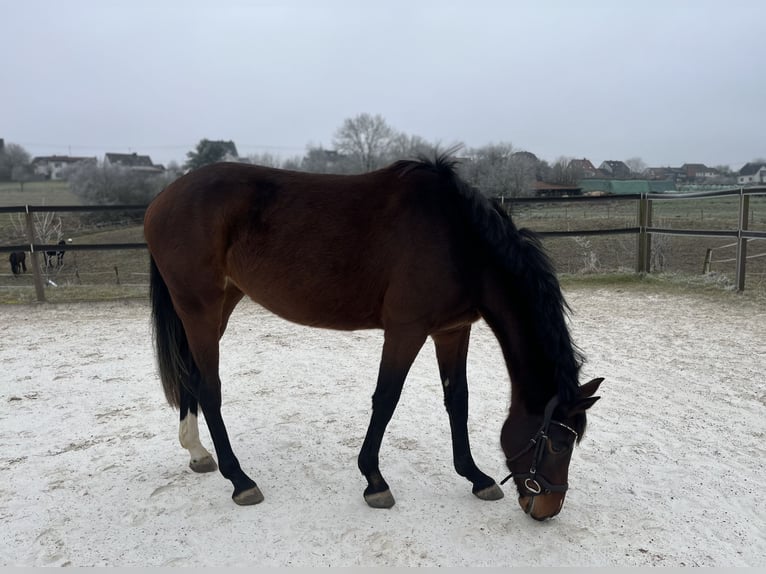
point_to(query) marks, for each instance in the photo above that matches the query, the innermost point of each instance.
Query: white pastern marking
(188, 434)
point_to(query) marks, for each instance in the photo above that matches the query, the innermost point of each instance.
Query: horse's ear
(589, 388)
(585, 398)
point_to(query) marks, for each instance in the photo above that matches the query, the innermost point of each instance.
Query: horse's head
(538, 449)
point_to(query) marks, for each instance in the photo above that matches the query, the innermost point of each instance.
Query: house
(133, 162)
(675, 174)
(753, 172)
(615, 169)
(687, 173)
(55, 166)
(583, 167)
(698, 171)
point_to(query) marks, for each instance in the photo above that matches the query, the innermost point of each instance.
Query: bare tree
(114, 184)
(320, 160)
(366, 139)
(500, 171)
(292, 163)
(22, 174)
(524, 168)
(404, 146)
(637, 165)
(564, 173)
(266, 159)
(12, 157)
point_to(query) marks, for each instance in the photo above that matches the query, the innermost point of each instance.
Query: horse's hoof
(206, 464)
(248, 497)
(380, 499)
(493, 492)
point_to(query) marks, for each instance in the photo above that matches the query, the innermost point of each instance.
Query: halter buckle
(533, 486)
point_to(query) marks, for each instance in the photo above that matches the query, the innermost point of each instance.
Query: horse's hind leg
(202, 323)
(245, 490)
(188, 434)
(188, 431)
(452, 354)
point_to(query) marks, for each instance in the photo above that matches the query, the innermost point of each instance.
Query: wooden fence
(643, 229)
(35, 248)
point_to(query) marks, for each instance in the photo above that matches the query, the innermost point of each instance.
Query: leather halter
(534, 482)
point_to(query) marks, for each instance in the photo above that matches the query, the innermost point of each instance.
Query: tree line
(361, 143)
(367, 142)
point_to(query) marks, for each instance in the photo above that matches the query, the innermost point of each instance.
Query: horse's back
(326, 250)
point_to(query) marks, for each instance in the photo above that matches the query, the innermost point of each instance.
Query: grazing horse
(18, 262)
(55, 258)
(410, 249)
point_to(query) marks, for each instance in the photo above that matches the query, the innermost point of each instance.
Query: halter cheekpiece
(536, 483)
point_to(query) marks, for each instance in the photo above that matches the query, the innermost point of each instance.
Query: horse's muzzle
(543, 506)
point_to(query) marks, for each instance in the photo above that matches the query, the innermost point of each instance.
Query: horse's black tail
(170, 343)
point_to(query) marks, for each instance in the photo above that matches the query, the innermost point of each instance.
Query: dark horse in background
(18, 260)
(410, 249)
(55, 258)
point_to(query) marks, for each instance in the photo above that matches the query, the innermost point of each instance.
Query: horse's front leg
(452, 354)
(399, 352)
(188, 434)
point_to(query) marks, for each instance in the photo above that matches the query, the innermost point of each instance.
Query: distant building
(615, 169)
(698, 171)
(583, 167)
(54, 166)
(752, 173)
(133, 161)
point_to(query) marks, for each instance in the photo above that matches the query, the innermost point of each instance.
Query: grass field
(93, 275)
(37, 193)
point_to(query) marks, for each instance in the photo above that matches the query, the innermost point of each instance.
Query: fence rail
(644, 229)
(35, 248)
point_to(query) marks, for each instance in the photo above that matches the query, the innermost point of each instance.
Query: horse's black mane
(521, 254)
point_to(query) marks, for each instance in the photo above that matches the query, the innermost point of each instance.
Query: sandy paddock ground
(670, 473)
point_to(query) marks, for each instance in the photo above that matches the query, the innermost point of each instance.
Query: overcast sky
(671, 81)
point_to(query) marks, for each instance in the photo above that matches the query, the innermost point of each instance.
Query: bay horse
(18, 261)
(411, 249)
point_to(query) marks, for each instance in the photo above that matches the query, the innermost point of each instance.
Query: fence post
(708, 261)
(39, 287)
(640, 239)
(649, 223)
(744, 208)
(644, 238)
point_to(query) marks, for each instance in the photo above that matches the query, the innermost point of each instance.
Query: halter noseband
(536, 483)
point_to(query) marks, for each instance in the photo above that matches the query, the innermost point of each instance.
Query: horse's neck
(532, 381)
